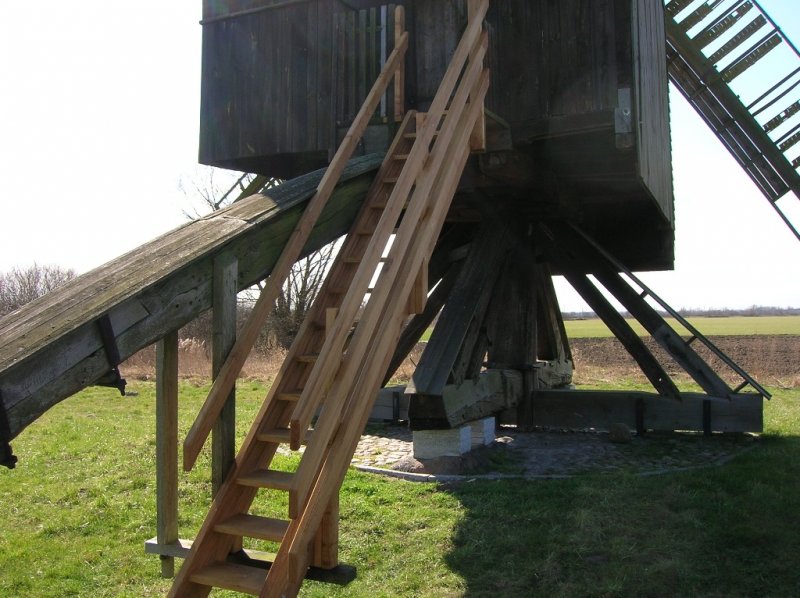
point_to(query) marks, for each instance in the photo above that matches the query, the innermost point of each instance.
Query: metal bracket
(640, 429)
(7, 457)
(113, 379)
(623, 119)
(707, 418)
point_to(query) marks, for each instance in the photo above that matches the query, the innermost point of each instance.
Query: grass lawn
(728, 326)
(82, 502)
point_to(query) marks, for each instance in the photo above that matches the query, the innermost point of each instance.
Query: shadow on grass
(733, 530)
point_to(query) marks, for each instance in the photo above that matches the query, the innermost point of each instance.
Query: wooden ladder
(342, 351)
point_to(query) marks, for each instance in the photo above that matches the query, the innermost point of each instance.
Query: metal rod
(773, 88)
(787, 135)
(776, 99)
(778, 29)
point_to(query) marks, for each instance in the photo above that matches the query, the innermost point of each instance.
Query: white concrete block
(483, 431)
(430, 444)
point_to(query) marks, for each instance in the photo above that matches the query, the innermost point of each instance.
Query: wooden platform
(68, 340)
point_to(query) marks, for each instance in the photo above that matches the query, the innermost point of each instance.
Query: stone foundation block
(430, 444)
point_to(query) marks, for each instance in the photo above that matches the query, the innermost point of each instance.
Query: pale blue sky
(99, 123)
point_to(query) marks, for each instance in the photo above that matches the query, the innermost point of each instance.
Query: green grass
(729, 326)
(79, 506)
(708, 326)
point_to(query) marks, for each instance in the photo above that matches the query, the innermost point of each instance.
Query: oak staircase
(342, 351)
(741, 73)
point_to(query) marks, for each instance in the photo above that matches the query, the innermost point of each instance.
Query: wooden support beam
(468, 301)
(441, 268)
(477, 139)
(400, 75)
(581, 409)
(512, 327)
(492, 391)
(552, 342)
(663, 333)
(223, 434)
(571, 267)
(167, 447)
(655, 373)
(419, 292)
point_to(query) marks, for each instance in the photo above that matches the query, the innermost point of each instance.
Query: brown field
(772, 360)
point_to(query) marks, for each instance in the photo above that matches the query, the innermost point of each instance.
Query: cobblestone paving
(563, 453)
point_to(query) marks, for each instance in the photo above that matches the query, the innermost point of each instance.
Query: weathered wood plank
(469, 300)
(599, 409)
(223, 435)
(167, 447)
(493, 391)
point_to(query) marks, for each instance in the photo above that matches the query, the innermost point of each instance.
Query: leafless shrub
(22, 285)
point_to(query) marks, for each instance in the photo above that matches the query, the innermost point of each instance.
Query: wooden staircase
(342, 351)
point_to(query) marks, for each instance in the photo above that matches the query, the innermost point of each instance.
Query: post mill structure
(464, 151)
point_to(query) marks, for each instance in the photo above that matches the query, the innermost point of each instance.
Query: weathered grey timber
(52, 348)
(742, 412)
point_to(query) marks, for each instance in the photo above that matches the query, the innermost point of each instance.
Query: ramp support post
(167, 447)
(223, 434)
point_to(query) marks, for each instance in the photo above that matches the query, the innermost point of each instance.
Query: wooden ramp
(77, 336)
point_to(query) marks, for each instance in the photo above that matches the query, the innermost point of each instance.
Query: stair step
(254, 526)
(268, 478)
(280, 435)
(289, 396)
(230, 576)
(414, 135)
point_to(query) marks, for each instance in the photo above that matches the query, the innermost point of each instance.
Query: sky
(99, 117)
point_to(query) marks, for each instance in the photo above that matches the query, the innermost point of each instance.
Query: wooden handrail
(226, 379)
(330, 355)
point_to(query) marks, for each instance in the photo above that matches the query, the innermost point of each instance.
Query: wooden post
(326, 541)
(167, 446)
(477, 140)
(400, 74)
(223, 435)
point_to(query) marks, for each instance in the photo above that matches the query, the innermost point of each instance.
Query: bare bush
(22, 285)
(213, 189)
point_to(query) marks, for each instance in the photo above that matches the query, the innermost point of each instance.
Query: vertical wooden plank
(326, 541)
(362, 56)
(167, 446)
(400, 76)
(330, 318)
(419, 292)
(223, 435)
(351, 61)
(477, 140)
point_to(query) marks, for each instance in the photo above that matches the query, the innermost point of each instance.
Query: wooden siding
(651, 103)
(278, 82)
(267, 87)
